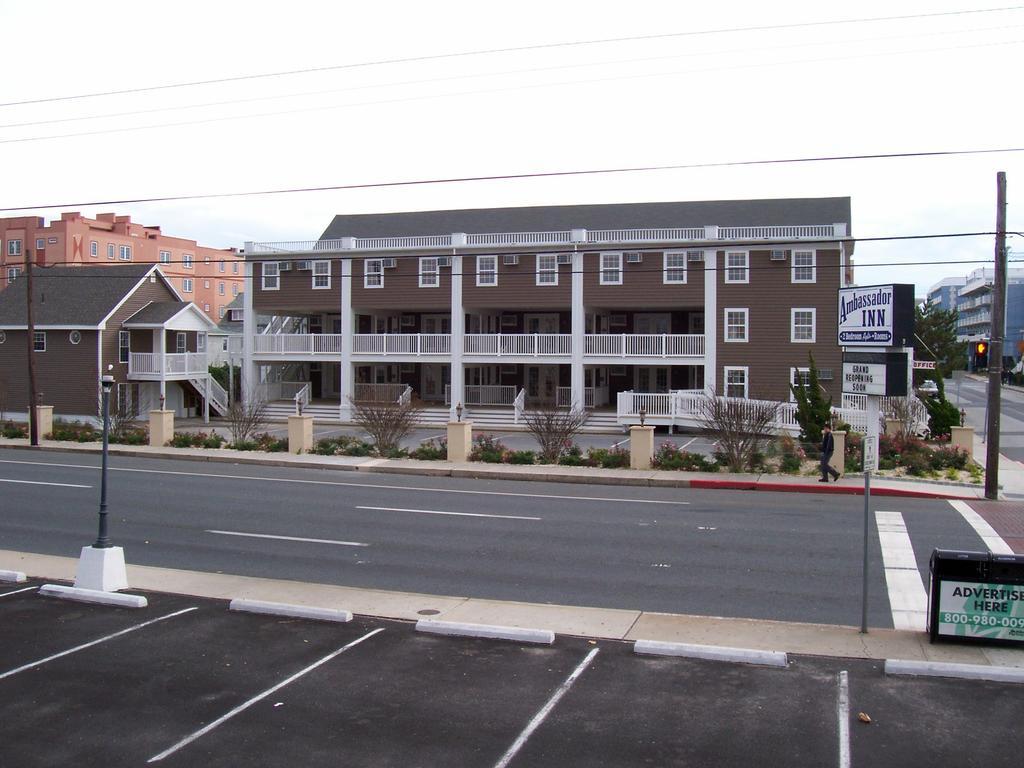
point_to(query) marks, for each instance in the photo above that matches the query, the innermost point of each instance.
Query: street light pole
(102, 539)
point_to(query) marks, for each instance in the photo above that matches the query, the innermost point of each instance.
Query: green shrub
(790, 464)
(343, 445)
(668, 456)
(573, 460)
(608, 458)
(489, 449)
(269, 444)
(212, 440)
(245, 445)
(12, 431)
(854, 452)
(131, 437)
(431, 451)
(949, 458)
(82, 433)
(942, 416)
(521, 457)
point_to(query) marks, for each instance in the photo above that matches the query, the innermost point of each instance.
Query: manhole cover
(428, 612)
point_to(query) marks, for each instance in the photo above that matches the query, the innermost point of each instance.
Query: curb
(494, 632)
(295, 611)
(93, 596)
(841, 490)
(16, 576)
(949, 669)
(711, 653)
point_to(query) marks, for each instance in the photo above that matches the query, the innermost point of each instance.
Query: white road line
(907, 597)
(417, 489)
(545, 711)
(39, 482)
(843, 714)
(455, 514)
(255, 699)
(988, 535)
(25, 589)
(82, 647)
(290, 538)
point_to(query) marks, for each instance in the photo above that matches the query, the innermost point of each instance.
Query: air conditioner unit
(565, 258)
(304, 266)
(778, 256)
(510, 259)
(389, 263)
(695, 255)
(443, 261)
(634, 257)
(284, 266)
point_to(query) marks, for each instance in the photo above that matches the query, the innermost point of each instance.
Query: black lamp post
(102, 539)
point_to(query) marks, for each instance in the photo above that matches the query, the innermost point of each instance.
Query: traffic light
(980, 354)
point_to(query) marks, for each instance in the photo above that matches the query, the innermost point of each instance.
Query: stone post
(300, 433)
(641, 447)
(460, 440)
(838, 460)
(161, 427)
(44, 418)
(893, 427)
(962, 438)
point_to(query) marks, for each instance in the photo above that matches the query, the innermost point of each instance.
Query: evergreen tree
(813, 411)
(935, 339)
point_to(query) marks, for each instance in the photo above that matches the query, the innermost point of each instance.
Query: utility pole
(30, 332)
(995, 346)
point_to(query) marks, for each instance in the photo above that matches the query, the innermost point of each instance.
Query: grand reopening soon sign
(876, 316)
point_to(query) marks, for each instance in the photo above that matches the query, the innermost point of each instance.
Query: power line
(518, 176)
(512, 49)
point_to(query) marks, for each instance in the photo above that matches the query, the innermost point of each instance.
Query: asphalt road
(794, 557)
(972, 395)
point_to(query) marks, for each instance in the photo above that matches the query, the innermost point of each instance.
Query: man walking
(828, 447)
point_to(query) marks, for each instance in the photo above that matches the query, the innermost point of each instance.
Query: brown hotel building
(593, 305)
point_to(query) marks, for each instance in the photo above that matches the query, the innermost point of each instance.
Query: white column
(162, 360)
(249, 381)
(710, 319)
(458, 378)
(346, 384)
(206, 400)
(579, 327)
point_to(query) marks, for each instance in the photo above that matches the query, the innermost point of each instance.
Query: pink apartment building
(209, 277)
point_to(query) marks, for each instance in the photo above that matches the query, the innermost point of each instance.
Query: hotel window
(798, 376)
(179, 343)
(234, 268)
(186, 285)
(206, 307)
(611, 269)
(802, 325)
(675, 267)
(737, 267)
(429, 275)
(373, 273)
(123, 346)
(321, 276)
(186, 260)
(124, 253)
(804, 266)
(271, 276)
(94, 249)
(221, 265)
(234, 289)
(110, 250)
(221, 313)
(206, 284)
(547, 269)
(736, 381)
(14, 247)
(41, 244)
(736, 324)
(39, 341)
(220, 286)
(201, 341)
(486, 270)
(12, 274)
(165, 257)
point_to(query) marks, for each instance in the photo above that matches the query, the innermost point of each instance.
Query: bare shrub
(554, 428)
(245, 419)
(386, 423)
(901, 409)
(739, 426)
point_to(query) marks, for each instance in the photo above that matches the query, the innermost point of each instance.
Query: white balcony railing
(518, 344)
(297, 344)
(283, 390)
(174, 364)
(563, 397)
(378, 393)
(484, 394)
(402, 344)
(644, 345)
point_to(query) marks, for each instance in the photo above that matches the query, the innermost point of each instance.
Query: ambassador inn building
(615, 308)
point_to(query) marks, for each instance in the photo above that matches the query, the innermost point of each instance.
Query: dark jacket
(828, 444)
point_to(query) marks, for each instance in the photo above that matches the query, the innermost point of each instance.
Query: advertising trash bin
(976, 597)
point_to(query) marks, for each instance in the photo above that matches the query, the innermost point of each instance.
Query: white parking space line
(24, 589)
(907, 597)
(414, 488)
(988, 535)
(843, 715)
(39, 482)
(255, 699)
(82, 647)
(545, 711)
(290, 538)
(454, 514)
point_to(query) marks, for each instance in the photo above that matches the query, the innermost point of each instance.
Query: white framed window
(110, 250)
(40, 243)
(802, 325)
(179, 342)
(124, 253)
(486, 270)
(12, 274)
(94, 249)
(271, 276)
(674, 271)
(165, 257)
(206, 260)
(798, 376)
(221, 265)
(39, 341)
(186, 260)
(321, 276)
(804, 266)
(547, 269)
(186, 285)
(14, 247)
(736, 381)
(206, 284)
(124, 346)
(220, 285)
(430, 276)
(736, 324)
(220, 312)
(201, 341)
(234, 289)
(234, 268)
(206, 307)
(737, 267)
(611, 269)
(373, 273)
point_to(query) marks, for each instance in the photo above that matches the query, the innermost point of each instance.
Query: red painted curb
(844, 490)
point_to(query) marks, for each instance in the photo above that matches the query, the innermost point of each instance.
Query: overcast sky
(697, 89)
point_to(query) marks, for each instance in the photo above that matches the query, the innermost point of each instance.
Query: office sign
(877, 316)
(924, 365)
(980, 610)
(875, 373)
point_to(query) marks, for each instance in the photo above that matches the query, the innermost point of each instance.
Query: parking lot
(185, 682)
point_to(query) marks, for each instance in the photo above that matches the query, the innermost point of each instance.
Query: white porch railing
(563, 397)
(484, 394)
(378, 393)
(280, 390)
(521, 344)
(644, 345)
(685, 407)
(406, 397)
(401, 344)
(301, 398)
(297, 344)
(175, 363)
(854, 410)
(519, 405)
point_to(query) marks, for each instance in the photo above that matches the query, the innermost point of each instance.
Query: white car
(928, 387)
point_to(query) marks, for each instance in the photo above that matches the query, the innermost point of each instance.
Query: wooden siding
(296, 292)
(401, 288)
(642, 285)
(142, 296)
(66, 373)
(768, 298)
(517, 287)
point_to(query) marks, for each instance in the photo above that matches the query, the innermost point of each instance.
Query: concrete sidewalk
(1011, 479)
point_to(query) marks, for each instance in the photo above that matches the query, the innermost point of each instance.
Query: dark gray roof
(76, 296)
(227, 324)
(156, 313)
(731, 213)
